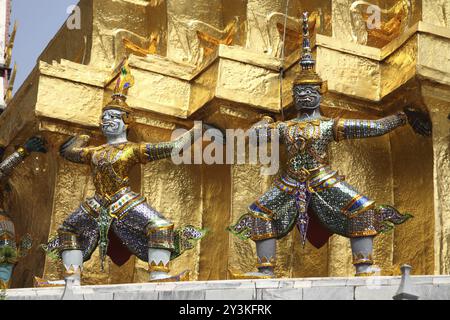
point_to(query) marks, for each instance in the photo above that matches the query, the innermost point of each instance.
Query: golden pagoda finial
(9, 90)
(10, 46)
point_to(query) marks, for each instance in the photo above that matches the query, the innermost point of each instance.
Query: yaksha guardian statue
(11, 250)
(117, 219)
(310, 195)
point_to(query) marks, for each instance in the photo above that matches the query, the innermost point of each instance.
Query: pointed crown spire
(306, 62)
(307, 74)
(125, 81)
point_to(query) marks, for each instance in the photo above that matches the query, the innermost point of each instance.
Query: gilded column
(438, 104)
(412, 159)
(246, 187)
(176, 192)
(368, 167)
(5, 21)
(216, 208)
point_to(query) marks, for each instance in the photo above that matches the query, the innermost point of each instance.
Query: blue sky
(38, 21)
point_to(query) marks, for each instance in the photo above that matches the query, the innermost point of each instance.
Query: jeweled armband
(12, 161)
(68, 241)
(161, 237)
(163, 150)
(22, 152)
(158, 150)
(357, 128)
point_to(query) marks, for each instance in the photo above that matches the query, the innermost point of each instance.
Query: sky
(38, 21)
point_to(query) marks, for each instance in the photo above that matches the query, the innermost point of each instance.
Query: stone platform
(374, 288)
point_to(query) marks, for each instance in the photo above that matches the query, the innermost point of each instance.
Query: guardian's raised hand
(218, 134)
(74, 142)
(72, 149)
(35, 144)
(419, 120)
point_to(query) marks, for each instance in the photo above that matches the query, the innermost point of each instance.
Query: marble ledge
(372, 288)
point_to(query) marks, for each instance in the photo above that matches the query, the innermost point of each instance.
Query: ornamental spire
(307, 74)
(306, 62)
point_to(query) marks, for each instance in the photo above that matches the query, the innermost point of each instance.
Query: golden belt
(115, 209)
(304, 174)
(316, 179)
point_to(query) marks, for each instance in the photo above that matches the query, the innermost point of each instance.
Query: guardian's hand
(218, 134)
(35, 144)
(74, 142)
(419, 120)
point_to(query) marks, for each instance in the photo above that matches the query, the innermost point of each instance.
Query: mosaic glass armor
(117, 219)
(309, 194)
(116, 208)
(310, 184)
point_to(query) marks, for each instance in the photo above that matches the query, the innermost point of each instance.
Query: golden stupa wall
(227, 76)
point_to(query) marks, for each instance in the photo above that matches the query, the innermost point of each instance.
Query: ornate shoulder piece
(267, 118)
(338, 129)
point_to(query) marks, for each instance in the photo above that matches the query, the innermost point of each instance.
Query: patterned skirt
(131, 234)
(338, 207)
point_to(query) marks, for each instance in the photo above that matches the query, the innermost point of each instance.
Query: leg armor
(362, 255)
(72, 256)
(76, 240)
(158, 263)
(161, 245)
(266, 252)
(73, 265)
(363, 229)
(160, 235)
(78, 232)
(152, 238)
